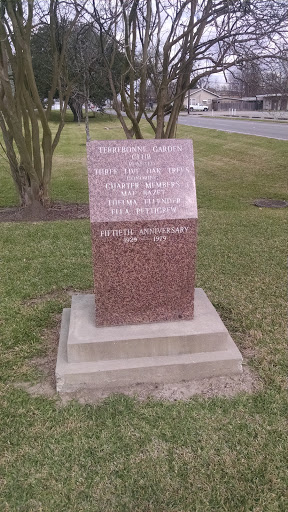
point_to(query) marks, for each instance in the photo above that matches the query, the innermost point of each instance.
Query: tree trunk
(160, 116)
(29, 192)
(76, 109)
(75, 117)
(173, 119)
(86, 94)
(87, 128)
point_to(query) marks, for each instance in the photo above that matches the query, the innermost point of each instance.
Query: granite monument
(145, 322)
(143, 215)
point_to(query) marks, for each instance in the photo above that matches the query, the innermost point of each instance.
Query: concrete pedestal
(107, 357)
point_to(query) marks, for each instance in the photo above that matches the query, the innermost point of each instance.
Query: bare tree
(246, 80)
(30, 147)
(174, 44)
(275, 80)
(261, 77)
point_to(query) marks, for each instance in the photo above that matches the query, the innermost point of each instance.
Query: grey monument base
(166, 352)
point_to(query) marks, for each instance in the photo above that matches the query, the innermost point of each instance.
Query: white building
(199, 97)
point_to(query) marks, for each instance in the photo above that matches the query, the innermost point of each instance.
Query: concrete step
(223, 359)
(86, 342)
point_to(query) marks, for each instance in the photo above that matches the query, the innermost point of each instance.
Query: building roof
(234, 98)
(194, 91)
(262, 96)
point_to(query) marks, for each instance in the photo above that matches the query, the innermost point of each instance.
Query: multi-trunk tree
(28, 141)
(172, 45)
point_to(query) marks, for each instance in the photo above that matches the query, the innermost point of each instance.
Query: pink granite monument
(150, 325)
(143, 214)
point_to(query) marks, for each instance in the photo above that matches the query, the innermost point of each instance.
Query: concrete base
(105, 357)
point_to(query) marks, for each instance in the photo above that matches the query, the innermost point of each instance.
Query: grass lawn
(124, 455)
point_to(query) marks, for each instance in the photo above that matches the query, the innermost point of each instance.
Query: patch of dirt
(228, 387)
(58, 210)
(59, 294)
(247, 382)
(270, 203)
(47, 364)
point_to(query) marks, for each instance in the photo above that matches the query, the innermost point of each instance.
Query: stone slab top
(147, 179)
(83, 327)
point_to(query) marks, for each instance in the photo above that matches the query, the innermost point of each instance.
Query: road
(260, 128)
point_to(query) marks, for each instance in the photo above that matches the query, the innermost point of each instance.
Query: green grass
(203, 455)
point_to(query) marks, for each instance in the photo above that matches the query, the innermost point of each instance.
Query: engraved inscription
(132, 235)
(159, 209)
(159, 239)
(105, 172)
(122, 186)
(116, 232)
(146, 188)
(139, 149)
(122, 202)
(141, 180)
(131, 239)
